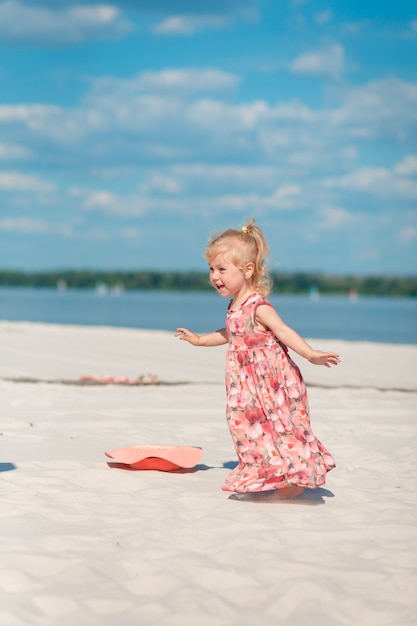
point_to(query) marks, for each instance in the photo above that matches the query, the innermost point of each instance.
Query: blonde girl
(267, 406)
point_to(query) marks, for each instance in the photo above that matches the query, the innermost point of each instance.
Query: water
(376, 319)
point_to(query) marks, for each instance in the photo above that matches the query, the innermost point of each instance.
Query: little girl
(267, 406)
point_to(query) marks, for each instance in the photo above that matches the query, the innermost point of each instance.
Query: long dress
(267, 410)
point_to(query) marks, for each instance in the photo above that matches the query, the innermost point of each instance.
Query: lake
(375, 319)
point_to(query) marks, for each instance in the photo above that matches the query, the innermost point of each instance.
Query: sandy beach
(87, 542)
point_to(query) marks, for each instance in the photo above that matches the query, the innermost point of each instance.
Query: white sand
(86, 544)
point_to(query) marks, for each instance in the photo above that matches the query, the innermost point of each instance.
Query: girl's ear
(248, 270)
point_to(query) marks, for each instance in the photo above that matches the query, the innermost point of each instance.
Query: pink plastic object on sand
(156, 457)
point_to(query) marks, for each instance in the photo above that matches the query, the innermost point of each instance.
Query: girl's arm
(216, 338)
(268, 317)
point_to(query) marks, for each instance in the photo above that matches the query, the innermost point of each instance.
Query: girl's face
(228, 279)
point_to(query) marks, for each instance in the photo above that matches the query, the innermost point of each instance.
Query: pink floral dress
(267, 410)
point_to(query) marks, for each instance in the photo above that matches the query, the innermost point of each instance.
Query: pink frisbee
(155, 457)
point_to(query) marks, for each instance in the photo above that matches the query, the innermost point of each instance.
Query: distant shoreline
(285, 283)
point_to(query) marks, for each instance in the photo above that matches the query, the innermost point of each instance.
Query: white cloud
(287, 191)
(214, 180)
(109, 203)
(323, 17)
(356, 28)
(27, 113)
(284, 197)
(223, 118)
(349, 153)
(296, 4)
(189, 24)
(130, 233)
(365, 178)
(407, 235)
(49, 121)
(405, 188)
(154, 118)
(379, 108)
(162, 183)
(100, 200)
(329, 63)
(64, 22)
(379, 181)
(234, 174)
(161, 6)
(21, 23)
(12, 152)
(31, 226)
(334, 217)
(407, 166)
(135, 128)
(16, 181)
(178, 81)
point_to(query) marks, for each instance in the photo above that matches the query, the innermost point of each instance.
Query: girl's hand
(186, 335)
(324, 358)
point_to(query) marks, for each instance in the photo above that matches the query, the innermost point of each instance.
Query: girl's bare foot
(288, 493)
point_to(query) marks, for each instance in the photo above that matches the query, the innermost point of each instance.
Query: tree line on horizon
(285, 283)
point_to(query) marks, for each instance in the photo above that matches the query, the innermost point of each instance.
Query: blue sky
(132, 130)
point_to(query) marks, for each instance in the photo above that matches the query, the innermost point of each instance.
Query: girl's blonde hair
(247, 245)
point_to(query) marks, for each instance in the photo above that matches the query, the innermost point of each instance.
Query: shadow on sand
(310, 497)
(7, 467)
(181, 470)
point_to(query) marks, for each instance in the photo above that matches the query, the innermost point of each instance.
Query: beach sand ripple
(86, 542)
